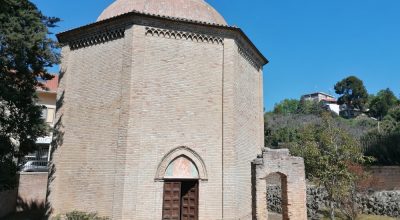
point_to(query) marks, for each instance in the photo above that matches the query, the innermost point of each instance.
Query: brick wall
(32, 190)
(85, 165)
(130, 101)
(291, 170)
(242, 130)
(176, 100)
(385, 178)
(249, 135)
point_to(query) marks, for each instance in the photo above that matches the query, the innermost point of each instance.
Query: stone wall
(376, 203)
(386, 178)
(8, 201)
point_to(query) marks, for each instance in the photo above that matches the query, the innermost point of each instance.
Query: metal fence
(35, 162)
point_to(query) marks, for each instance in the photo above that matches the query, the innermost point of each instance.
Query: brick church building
(160, 116)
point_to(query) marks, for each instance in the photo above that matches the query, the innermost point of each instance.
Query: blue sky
(311, 44)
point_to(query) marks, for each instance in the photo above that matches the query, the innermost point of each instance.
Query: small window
(50, 115)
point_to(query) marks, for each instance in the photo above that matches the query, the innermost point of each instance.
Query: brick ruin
(293, 183)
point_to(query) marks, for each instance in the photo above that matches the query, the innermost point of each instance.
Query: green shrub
(76, 215)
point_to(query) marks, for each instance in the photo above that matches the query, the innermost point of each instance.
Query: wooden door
(190, 200)
(181, 200)
(172, 201)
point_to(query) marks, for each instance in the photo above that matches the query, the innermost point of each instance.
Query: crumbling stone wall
(376, 203)
(293, 183)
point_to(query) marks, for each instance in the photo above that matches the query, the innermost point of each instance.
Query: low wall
(376, 203)
(386, 178)
(32, 190)
(8, 201)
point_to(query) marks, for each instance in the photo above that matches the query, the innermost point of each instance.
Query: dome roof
(197, 10)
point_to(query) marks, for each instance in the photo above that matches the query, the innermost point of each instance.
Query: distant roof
(319, 93)
(50, 85)
(197, 10)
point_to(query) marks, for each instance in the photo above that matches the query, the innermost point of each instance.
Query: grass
(368, 217)
(374, 217)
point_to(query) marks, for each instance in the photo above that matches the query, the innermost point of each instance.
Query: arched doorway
(181, 190)
(277, 196)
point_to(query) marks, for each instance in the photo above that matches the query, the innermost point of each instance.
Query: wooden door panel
(172, 201)
(189, 201)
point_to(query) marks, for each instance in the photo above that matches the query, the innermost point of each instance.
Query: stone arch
(294, 183)
(181, 152)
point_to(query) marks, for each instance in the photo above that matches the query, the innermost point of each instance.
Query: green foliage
(294, 106)
(281, 129)
(287, 106)
(384, 143)
(25, 53)
(76, 215)
(381, 103)
(311, 107)
(384, 147)
(353, 92)
(328, 152)
(7, 173)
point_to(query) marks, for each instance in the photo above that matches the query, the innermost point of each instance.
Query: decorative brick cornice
(97, 38)
(183, 35)
(141, 18)
(251, 58)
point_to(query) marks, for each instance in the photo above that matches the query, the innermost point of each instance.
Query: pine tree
(26, 50)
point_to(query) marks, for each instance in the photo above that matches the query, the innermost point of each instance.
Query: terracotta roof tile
(51, 85)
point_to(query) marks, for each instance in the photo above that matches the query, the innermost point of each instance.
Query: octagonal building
(160, 114)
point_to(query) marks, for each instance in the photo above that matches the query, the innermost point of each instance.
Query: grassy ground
(374, 217)
(370, 217)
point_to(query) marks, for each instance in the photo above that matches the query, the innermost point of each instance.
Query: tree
(382, 103)
(353, 93)
(391, 122)
(309, 107)
(25, 53)
(328, 154)
(384, 143)
(294, 106)
(287, 106)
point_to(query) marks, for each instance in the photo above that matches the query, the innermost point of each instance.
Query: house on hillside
(329, 101)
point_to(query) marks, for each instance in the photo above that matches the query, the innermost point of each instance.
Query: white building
(329, 101)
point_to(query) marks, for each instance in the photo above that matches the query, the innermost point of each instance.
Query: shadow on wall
(58, 137)
(28, 210)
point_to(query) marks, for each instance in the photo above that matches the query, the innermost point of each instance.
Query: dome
(197, 10)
